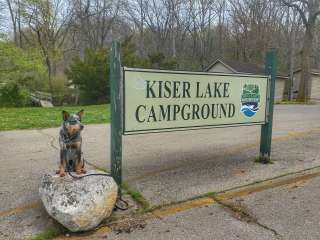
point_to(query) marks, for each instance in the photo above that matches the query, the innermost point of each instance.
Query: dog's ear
(80, 113)
(65, 115)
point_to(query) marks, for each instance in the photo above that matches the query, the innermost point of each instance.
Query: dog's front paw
(62, 174)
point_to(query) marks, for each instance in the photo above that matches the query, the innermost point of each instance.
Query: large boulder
(78, 204)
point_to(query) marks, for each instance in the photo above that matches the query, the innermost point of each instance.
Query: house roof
(239, 67)
(314, 71)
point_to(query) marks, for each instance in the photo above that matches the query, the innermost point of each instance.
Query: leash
(124, 205)
(88, 175)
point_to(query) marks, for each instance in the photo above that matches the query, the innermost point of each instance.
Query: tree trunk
(305, 81)
(141, 42)
(14, 22)
(174, 51)
(291, 65)
(48, 63)
(291, 54)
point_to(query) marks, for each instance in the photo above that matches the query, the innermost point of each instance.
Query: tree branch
(299, 9)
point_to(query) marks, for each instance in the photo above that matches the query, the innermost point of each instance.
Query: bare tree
(194, 32)
(49, 21)
(221, 12)
(93, 22)
(256, 27)
(135, 12)
(2, 15)
(291, 30)
(14, 9)
(309, 11)
(202, 14)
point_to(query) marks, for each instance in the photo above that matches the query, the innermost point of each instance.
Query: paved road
(287, 213)
(165, 167)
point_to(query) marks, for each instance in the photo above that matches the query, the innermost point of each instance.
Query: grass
(136, 196)
(48, 234)
(263, 160)
(36, 117)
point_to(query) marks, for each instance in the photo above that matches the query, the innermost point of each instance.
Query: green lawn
(36, 117)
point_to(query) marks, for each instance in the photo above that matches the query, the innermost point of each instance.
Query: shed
(227, 66)
(315, 83)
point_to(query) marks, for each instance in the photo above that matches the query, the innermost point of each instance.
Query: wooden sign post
(116, 113)
(266, 129)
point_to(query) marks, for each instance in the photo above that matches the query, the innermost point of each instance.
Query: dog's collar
(67, 138)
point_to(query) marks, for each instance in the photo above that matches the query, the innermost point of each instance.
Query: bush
(91, 75)
(158, 60)
(129, 57)
(14, 95)
(21, 71)
(61, 93)
(23, 66)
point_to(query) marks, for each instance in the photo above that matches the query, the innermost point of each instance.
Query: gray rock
(78, 204)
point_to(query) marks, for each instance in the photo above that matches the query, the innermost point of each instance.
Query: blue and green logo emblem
(250, 99)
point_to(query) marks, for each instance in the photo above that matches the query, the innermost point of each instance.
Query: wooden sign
(157, 101)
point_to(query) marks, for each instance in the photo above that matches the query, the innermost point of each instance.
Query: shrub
(14, 95)
(21, 70)
(23, 66)
(91, 75)
(159, 61)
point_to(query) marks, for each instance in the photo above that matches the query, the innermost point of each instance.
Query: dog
(70, 141)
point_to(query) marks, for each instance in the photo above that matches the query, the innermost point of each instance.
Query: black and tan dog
(70, 144)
